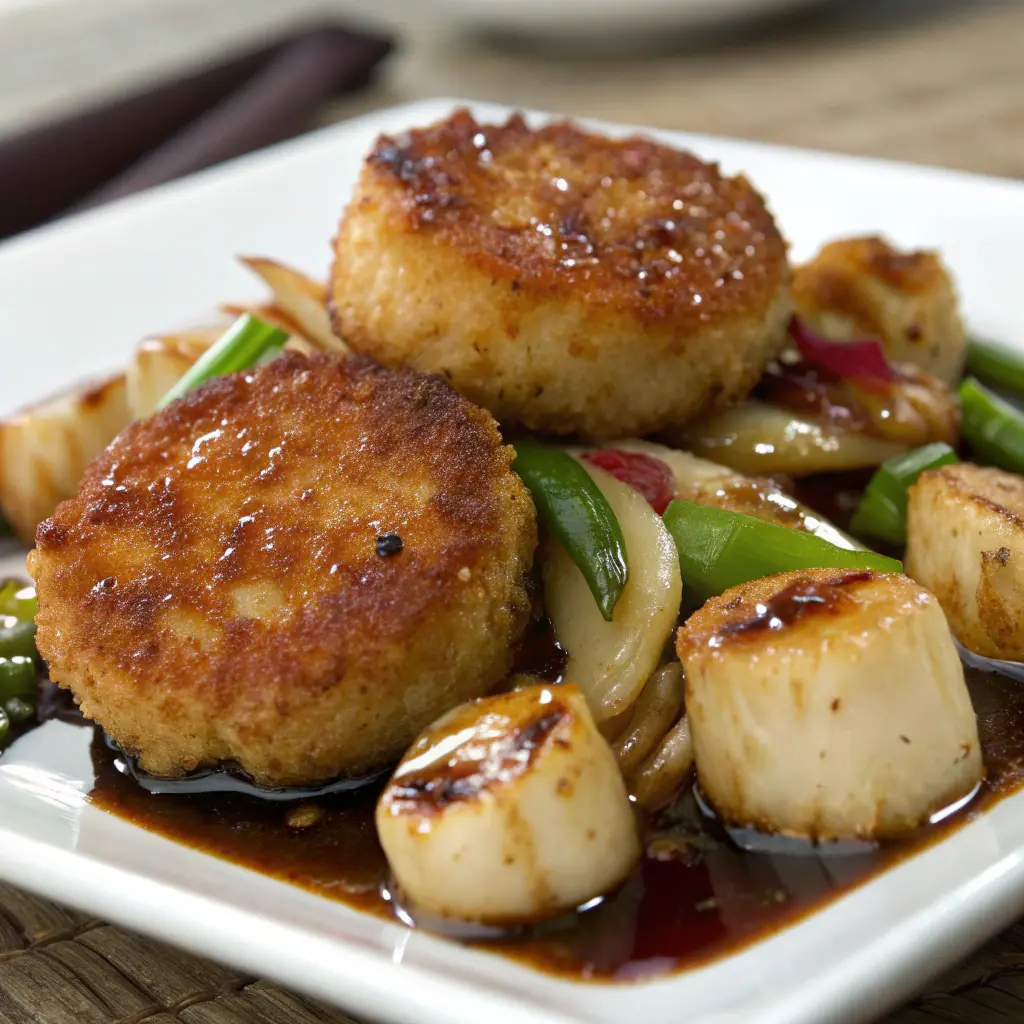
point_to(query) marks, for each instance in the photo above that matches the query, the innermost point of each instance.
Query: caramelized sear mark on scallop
(802, 597)
(510, 809)
(491, 749)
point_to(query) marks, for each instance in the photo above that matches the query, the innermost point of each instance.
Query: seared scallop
(863, 287)
(828, 703)
(295, 568)
(965, 542)
(564, 280)
(508, 810)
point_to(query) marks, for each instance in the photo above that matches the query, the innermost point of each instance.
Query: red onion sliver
(854, 360)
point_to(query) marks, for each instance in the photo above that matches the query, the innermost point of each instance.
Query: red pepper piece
(644, 473)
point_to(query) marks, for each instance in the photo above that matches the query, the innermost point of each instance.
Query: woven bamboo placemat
(945, 86)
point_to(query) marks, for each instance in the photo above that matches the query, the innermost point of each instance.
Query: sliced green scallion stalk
(17, 679)
(996, 364)
(573, 508)
(994, 428)
(242, 346)
(882, 511)
(17, 599)
(719, 549)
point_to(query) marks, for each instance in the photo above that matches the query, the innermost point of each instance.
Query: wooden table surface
(931, 82)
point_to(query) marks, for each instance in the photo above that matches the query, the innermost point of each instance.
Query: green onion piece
(17, 679)
(573, 508)
(882, 511)
(19, 710)
(242, 346)
(719, 549)
(18, 599)
(17, 638)
(5, 727)
(994, 428)
(997, 364)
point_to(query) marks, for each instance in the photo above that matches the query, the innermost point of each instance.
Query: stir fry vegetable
(17, 655)
(17, 637)
(643, 472)
(17, 599)
(17, 679)
(882, 511)
(19, 711)
(856, 360)
(994, 428)
(573, 508)
(996, 364)
(719, 549)
(246, 342)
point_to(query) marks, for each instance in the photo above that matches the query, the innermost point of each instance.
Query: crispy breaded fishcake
(564, 280)
(296, 568)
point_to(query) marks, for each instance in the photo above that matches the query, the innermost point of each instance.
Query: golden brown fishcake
(564, 280)
(215, 591)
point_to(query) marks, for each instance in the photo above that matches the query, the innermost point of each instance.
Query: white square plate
(75, 297)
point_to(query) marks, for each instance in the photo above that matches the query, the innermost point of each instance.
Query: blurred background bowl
(601, 20)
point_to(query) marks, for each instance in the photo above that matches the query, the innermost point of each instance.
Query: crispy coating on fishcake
(562, 279)
(215, 590)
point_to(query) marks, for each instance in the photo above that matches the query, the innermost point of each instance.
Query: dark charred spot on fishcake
(630, 220)
(456, 778)
(388, 544)
(802, 597)
(836, 704)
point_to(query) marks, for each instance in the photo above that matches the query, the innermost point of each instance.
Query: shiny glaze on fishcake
(638, 225)
(469, 752)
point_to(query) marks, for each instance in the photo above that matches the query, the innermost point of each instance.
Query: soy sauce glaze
(695, 897)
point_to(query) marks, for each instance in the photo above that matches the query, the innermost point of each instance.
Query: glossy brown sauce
(792, 603)
(695, 897)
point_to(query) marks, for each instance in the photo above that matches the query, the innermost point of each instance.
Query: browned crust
(834, 280)
(982, 486)
(724, 619)
(629, 224)
(339, 452)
